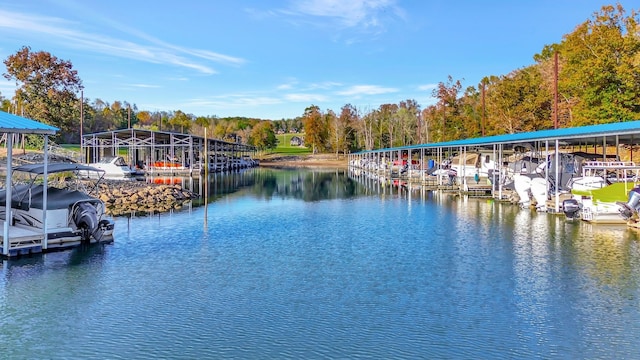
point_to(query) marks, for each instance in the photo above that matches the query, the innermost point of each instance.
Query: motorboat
(71, 209)
(558, 175)
(216, 163)
(600, 205)
(473, 165)
(113, 167)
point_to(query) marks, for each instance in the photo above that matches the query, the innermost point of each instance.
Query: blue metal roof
(10, 123)
(593, 134)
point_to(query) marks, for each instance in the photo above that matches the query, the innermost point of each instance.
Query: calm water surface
(287, 264)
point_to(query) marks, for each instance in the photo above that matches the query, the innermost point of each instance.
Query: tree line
(591, 77)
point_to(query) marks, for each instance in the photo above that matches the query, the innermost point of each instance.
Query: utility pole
(555, 90)
(484, 111)
(83, 155)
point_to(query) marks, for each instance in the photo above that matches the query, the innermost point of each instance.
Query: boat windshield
(117, 161)
(120, 162)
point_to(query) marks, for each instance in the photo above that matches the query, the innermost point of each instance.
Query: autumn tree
(408, 117)
(144, 118)
(5, 104)
(262, 136)
(447, 106)
(200, 124)
(470, 113)
(600, 72)
(429, 118)
(220, 129)
(181, 121)
(315, 130)
(341, 129)
(47, 89)
(364, 131)
(517, 102)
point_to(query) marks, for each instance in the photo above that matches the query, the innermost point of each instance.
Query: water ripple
(350, 278)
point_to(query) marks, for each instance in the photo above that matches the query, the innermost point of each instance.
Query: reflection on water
(312, 264)
(268, 183)
(29, 266)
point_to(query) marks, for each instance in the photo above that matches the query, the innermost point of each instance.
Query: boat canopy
(38, 169)
(25, 197)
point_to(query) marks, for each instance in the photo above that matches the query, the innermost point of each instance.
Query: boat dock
(165, 153)
(488, 166)
(21, 241)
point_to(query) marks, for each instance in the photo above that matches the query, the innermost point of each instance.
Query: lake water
(315, 265)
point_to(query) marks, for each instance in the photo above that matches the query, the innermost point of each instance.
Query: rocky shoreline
(125, 197)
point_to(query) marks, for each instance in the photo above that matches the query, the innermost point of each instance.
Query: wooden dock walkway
(21, 241)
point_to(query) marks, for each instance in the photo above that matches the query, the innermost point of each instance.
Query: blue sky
(272, 59)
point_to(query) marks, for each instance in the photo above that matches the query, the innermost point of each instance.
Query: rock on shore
(124, 197)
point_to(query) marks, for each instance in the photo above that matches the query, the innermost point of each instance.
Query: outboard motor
(571, 208)
(631, 207)
(85, 216)
(539, 192)
(522, 185)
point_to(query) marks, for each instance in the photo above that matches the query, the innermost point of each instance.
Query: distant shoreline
(310, 160)
(318, 160)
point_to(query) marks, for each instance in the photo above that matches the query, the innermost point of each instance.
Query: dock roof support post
(8, 212)
(557, 194)
(500, 155)
(45, 192)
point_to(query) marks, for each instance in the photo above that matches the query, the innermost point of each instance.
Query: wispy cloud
(144, 86)
(364, 14)
(234, 101)
(350, 22)
(359, 90)
(149, 50)
(305, 98)
(7, 87)
(427, 87)
(326, 85)
(288, 85)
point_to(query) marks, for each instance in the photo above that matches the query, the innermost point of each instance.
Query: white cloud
(325, 85)
(151, 50)
(427, 87)
(306, 98)
(288, 85)
(144, 86)
(234, 101)
(358, 90)
(353, 13)
(7, 90)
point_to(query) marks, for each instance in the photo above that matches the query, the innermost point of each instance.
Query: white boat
(599, 205)
(216, 163)
(472, 167)
(73, 215)
(551, 178)
(114, 167)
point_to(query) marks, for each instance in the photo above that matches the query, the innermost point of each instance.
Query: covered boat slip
(604, 143)
(161, 152)
(36, 206)
(20, 241)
